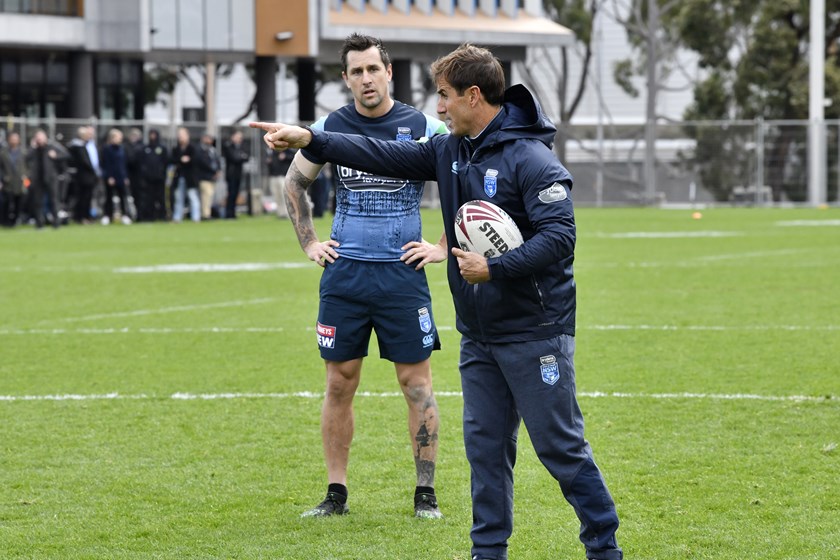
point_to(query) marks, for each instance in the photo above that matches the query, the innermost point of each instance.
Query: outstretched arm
(406, 160)
(301, 174)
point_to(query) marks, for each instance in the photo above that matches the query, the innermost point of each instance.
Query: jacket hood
(525, 118)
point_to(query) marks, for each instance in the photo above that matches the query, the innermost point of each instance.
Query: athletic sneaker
(330, 506)
(426, 507)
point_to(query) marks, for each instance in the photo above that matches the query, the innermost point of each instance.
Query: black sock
(340, 490)
(424, 490)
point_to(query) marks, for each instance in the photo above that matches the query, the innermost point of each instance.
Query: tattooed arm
(301, 174)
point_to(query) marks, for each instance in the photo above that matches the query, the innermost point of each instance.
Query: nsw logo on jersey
(490, 182)
(326, 336)
(403, 133)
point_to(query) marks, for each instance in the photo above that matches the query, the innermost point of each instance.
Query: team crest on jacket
(554, 193)
(403, 133)
(425, 319)
(490, 182)
(549, 369)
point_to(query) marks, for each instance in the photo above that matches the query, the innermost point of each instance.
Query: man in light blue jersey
(365, 286)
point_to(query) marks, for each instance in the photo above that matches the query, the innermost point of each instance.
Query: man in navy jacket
(516, 312)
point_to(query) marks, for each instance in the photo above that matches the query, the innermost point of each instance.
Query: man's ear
(474, 95)
(390, 72)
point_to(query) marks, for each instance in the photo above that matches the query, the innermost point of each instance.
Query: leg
(232, 195)
(207, 189)
(178, 206)
(337, 421)
(423, 420)
(195, 205)
(542, 376)
(491, 426)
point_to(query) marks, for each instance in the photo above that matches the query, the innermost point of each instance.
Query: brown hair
(359, 42)
(469, 66)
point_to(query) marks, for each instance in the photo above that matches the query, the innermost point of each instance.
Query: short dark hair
(359, 42)
(469, 66)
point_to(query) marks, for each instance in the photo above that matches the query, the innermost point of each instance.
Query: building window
(41, 7)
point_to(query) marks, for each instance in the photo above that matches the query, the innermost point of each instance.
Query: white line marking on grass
(806, 223)
(710, 327)
(210, 267)
(366, 394)
(177, 309)
(441, 328)
(666, 234)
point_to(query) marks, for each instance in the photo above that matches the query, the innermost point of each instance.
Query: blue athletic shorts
(391, 298)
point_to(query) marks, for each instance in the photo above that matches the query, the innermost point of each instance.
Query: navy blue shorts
(391, 298)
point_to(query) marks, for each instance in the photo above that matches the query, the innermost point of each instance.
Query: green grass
(675, 334)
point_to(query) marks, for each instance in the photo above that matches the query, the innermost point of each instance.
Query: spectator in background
(154, 162)
(84, 157)
(208, 169)
(12, 174)
(278, 162)
(115, 177)
(185, 181)
(235, 156)
(42, 163)
(133, 160)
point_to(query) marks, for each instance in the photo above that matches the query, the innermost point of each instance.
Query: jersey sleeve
(317, 126)
(435, 126)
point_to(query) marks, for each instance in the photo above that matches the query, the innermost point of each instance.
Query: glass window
(57, 72)
(130, 73)
(32, 73)
(8, 71)
(107, 73)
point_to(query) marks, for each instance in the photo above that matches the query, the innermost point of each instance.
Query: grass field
(149, 410)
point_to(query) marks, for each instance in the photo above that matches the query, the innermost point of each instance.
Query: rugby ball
(484, 228)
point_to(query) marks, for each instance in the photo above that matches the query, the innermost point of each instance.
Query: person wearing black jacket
(208, 165)
(42, 163)
(84, 156)
(115, 178)
(133, 161)
(154, 161)
(515, 312)
(12, 173)
(235, 156)
(185, 180)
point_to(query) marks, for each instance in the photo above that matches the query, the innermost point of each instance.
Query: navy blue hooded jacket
(531, 293)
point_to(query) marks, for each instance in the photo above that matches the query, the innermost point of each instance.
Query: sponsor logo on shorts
(425, 319)
(549, 369)
(490, 182)
(554, 193)
(428, 340)
(403, 133)
(326, 336)
(455, 167)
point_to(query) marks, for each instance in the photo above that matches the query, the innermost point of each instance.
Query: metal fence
(731, 162)
(735, 162)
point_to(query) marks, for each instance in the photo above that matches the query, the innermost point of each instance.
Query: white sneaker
(106, 220)
(126, 220)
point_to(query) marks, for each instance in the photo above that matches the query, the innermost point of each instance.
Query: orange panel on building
(282, 16)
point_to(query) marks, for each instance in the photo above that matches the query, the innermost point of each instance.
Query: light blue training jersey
(376, 215)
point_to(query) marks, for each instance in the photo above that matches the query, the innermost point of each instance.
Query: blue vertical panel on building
(242, 26)
(191, 24)
(164, 24)
(217, 17)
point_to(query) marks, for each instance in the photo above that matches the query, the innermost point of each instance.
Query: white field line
(667, 234)
(365, 394)
(442, 328)
(210, 267)
(807, 223)
(163, 310)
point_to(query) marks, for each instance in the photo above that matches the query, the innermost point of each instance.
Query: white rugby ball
(484, 228)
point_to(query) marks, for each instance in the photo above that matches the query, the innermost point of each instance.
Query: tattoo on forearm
(297, 202)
